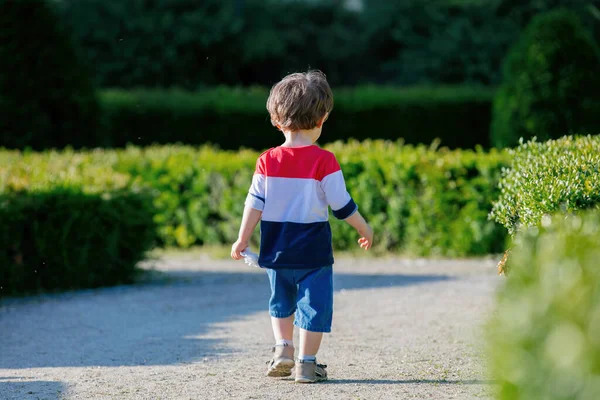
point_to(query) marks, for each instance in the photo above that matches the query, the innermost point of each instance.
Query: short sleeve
(256, 194)
(334, 187)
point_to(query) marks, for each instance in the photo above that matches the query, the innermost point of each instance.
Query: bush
(561, 174)
(551, 86)
(66, 223)
(420, 200)
(46, 96)
(231, 118)
(544, 338)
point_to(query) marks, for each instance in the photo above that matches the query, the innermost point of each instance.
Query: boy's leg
(309, 343)
(281, 308)
(307, 369)
(283, 329)
(313, 317)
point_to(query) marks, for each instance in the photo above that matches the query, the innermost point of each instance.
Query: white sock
(307, 358)
(283, 342)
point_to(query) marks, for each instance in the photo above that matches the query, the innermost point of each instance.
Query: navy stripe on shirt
(295, 245)
(346, 211)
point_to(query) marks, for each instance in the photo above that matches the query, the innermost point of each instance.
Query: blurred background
(188, 71)
(198, 44)
(139, 122)
(131, 125)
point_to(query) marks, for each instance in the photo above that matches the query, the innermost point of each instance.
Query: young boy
(292, 187)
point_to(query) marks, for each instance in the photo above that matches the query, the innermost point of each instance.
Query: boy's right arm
(255, 203)
(250, 219)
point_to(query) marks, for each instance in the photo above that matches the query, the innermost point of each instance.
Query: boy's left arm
(249, 221)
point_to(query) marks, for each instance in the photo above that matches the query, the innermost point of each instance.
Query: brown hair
(300, 100)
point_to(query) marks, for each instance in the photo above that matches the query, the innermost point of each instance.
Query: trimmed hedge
(551, 85)
(421, 200)
(67, 239)
(67, 223)
(544, 338)
(547, 177)
(233, 118)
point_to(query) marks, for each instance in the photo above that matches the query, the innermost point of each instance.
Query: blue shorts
(306, 292)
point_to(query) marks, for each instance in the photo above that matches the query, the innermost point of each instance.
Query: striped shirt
(293, 187)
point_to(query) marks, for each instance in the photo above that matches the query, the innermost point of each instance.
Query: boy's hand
(237, 248)
(366, 241)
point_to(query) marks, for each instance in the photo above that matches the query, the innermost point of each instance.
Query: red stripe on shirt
(310, 162)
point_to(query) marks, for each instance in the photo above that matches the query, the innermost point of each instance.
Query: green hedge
(233, 118)
(67, 223)
(556, 175)
(419, 199)
(551, 87)
(544, 338)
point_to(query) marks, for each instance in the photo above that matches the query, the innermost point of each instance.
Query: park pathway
(403, 329)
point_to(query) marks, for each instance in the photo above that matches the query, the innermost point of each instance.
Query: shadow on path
(158, 323)
(11, 388)
(409, 382)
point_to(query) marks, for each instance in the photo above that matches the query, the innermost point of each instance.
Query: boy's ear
(322, 120)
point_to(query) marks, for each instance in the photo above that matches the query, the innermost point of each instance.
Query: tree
(551, 83)
(46, 95)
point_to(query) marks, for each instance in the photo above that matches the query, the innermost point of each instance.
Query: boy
(292, 187)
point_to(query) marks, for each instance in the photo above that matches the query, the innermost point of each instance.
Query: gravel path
(406, 329)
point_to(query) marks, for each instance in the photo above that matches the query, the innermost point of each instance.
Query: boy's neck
(300, 138)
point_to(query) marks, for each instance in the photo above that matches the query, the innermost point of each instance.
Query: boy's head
(300, 101)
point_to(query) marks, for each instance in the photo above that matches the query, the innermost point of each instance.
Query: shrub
(68, 221)
(67, 239)
(231, 118)
(561, 174)
(544, 338)
(46, 95)
(551, 86)
(421, 200)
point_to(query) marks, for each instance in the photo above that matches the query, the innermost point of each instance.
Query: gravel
(199, 329)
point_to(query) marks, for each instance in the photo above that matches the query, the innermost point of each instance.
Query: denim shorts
(306, 292)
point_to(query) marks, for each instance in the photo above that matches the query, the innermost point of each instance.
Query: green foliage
(231, 118)
(46, 96)
(551, 85)
(561, 174)
(66, 239)
(449, 41)
(422, 200)
(544, 338)
(418, 199)
(190, 43)
(68, 221)
(441, 41)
